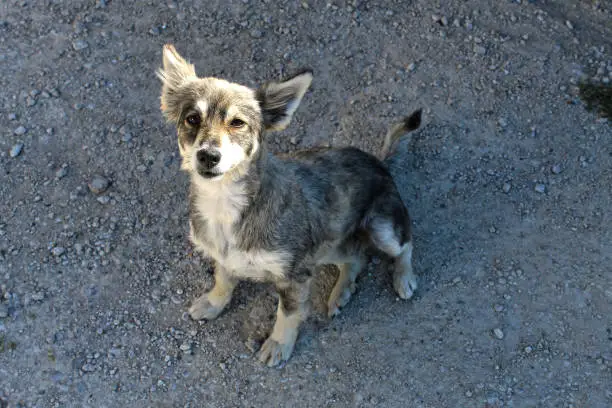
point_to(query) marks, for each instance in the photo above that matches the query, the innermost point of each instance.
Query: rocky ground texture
(508, 183)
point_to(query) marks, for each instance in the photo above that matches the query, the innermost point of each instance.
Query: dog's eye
(193, 119)
(237, 123)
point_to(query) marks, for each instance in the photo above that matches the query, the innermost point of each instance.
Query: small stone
(103, 199)
(98, 184)
(141, 167)
(185, 347)
(468, 393)
(79, 45)
(556, 169)
(411, 66)
(256, 33)
(506, 187)
(444, 21)
(528, 349)
(498, 308)
(498, 333)
(20, 131)
(88, 368)
(16, 150)
(569, 24)
(126, 137)
(12, 116)
(540, 188)
(480, 50)
(502, 122)
(61, 173)
(58, 251)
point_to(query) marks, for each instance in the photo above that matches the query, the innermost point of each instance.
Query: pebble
(185, 347)
(103, 199)
(480, 50)
(528, 349)
(256, 33)
(61, 173)
(556, 169)
(16, 150)
(126, 137)
(79, 45)
(506, 187)
(498, 308)
(569, 24)
(12, 116)
(540, 188)
(20, 131)
(58, 251)
(98, 184)
(498, 333)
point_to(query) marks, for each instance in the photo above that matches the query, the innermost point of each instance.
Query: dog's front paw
(203, 308)
(405, 284)
(272, 353)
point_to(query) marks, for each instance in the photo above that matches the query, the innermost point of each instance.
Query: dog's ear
(174, 72)
(279, 100)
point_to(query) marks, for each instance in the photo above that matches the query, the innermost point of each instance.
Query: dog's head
(221, 124)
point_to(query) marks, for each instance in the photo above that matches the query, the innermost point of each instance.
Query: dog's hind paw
(273, 353)
(405, 285)
(338, 299)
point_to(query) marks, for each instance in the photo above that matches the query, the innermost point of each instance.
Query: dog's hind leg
(211, 304)
(388, 238)
(345, 285)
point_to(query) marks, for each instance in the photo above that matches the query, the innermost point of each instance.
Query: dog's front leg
(291, 312)
(211, 304)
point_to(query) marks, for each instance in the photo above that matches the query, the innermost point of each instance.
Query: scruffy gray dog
(274, 219)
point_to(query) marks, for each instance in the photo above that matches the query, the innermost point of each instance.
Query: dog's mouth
(210, 174)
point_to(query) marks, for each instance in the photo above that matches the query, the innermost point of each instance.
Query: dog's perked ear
(279, 100)
(174, 72)
(176, 69)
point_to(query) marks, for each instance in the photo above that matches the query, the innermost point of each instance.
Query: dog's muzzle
(207, 160)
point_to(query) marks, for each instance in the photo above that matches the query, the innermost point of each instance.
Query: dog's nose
(209, 158)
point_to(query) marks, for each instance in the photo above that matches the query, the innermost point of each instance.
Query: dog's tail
(410, 123)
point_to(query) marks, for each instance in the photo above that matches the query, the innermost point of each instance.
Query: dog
(274, 219)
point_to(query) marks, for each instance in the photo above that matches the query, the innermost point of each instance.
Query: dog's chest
(213, 231)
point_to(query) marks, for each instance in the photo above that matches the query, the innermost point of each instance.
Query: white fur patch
(202, 106)
(220, 205)
(232, 154)
(384, 238)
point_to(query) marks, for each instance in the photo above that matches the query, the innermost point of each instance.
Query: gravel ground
(508, 183)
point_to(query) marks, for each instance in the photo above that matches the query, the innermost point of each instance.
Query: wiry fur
(273, 218)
